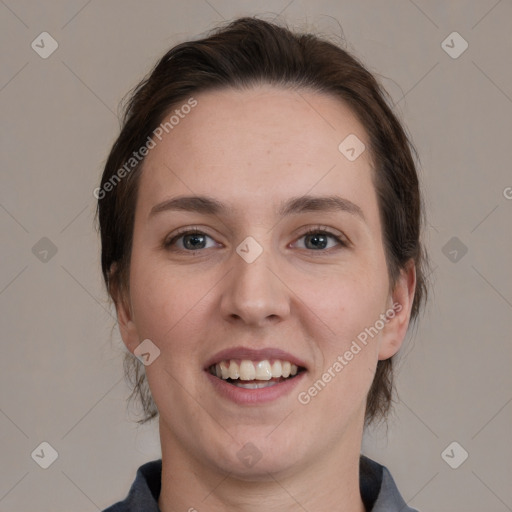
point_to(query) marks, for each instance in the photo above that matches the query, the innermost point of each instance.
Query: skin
(253, 150)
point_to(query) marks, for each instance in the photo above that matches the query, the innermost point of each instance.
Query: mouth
(250, 374)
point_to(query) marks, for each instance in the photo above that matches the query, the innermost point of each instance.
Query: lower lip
(244, 396)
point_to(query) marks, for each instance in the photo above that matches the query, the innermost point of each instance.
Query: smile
(250, 377)
(249, 374)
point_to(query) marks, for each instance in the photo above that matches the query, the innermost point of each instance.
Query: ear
(124, 311)
(399, 312)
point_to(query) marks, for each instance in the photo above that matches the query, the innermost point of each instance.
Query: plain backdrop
(61, 367)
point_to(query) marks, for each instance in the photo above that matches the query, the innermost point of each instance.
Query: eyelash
(168, 243)
(323, 230)
(317, 230)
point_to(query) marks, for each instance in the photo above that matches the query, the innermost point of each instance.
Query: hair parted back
(246, 52)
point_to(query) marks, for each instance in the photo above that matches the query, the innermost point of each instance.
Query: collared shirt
(378, 489)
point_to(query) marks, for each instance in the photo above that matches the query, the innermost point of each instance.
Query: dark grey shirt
(378, 489)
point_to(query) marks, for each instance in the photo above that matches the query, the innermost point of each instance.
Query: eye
(319, 240)
(190, 240)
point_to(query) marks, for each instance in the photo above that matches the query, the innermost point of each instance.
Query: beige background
(60, 370)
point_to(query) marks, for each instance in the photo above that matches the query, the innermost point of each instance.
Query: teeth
(276, 368)
(254, 385)
(254, 370)
(224, 370)
(234, 371)
(247, 370)
(263, 370)
(286, 368)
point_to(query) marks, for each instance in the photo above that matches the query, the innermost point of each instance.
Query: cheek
(347, 346)
(163, 302)
(169, 310)
(349, 304)
(347, 301)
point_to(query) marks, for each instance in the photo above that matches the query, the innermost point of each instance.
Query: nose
(254, 294)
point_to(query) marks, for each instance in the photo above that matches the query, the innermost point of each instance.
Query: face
(257, 251)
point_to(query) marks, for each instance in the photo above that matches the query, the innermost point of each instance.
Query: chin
(257, 456)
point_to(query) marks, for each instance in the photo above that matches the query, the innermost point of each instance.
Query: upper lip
(253, 355)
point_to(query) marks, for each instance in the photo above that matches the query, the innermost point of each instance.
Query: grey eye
(318, 241)
(193, 241)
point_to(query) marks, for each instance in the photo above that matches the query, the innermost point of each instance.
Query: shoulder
(378, 489)
(144, 492)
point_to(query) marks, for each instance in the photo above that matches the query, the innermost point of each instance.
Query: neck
(331, 482)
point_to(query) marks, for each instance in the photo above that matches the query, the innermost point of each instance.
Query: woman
(260, 220)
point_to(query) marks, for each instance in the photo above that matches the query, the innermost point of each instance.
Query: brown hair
(247, 52)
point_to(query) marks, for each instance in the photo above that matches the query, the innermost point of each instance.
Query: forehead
(262, 143)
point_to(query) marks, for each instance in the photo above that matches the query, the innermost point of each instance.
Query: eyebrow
(200, 204)
(320, 203)
(294, 206)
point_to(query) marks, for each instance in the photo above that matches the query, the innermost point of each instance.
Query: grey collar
(378, 489)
